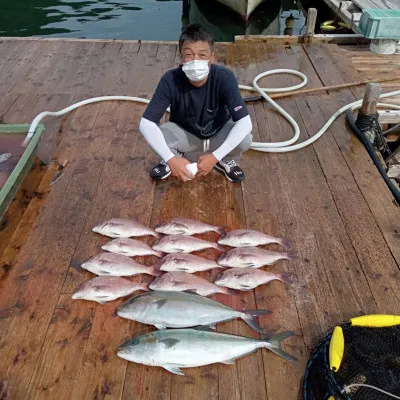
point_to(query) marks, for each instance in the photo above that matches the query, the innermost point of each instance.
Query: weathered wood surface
(328, 199)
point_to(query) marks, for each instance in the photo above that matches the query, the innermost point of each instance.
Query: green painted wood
(20, 171)
(380, 24)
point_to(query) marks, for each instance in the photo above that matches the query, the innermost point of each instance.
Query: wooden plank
(140, 381)
(17, 72)
(36, 76)
(102, 348)
(64, 39)
(46, 269)
(124, 70)
(6, 102)
(380, 4)
(58, 363)
(261, 215)
(10, 54)
(99, 61)
(317, 38)
(389, 116)
(249, 369)
(365, 230)
(331, 245)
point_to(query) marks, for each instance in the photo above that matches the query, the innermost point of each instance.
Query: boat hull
(242, 7)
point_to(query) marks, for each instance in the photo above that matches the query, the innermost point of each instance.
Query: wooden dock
(328, 199)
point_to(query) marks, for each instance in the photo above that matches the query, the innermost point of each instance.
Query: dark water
(145, 19)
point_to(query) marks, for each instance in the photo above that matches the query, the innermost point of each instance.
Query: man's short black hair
(196, 33)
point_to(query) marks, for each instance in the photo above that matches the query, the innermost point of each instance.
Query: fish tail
(218, 247)
(158, 253)
(290, 255)
(286, 243)
(230, 292)
(220, 229)
(154, 270)
(273, 343)
(144, 287)
(285, 277)
(250, 316)
(156, 235)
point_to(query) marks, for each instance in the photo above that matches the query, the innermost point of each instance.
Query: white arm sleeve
(155, 138)
(240, 130)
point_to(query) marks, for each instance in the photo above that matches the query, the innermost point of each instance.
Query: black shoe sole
(162, 177)
(218, 168)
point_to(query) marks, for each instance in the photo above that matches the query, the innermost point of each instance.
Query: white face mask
(196, 70)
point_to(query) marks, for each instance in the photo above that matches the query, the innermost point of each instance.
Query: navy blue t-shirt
(203, 110)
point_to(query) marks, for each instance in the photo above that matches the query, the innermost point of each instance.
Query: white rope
(276, 147)
(346, 389)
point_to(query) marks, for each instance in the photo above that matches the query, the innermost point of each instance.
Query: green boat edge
(23, 166)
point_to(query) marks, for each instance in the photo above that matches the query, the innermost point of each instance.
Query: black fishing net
(371, 357)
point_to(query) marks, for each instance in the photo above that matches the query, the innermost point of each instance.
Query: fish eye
(134, 342)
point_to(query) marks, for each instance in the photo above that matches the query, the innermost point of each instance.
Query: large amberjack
(165, 309)
(174, 349)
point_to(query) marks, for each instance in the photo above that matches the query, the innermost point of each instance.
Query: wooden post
(371, 97)
(310, 27)
(368, 109)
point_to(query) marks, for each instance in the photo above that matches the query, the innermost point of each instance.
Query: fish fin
(160, 326)
(168, 343)
(248, 265)
(158, 253)
(179, 232)
(180, 225)
(245, 287)
(173, 369)
(101, 301)
(257, 313)
(182, 269)
(229, 362)
(104, 272)
(273, 343)
(249, 316)
(154, 271)
(160, 303)
(176, 283)
(206, 328)
(242, 234)
(246, 256)
(285, 277)
(190, 291)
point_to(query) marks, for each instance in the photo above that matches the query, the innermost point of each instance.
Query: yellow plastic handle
(336, 348)
(376, 320)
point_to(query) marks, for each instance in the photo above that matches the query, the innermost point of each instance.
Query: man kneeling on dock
(209, 122)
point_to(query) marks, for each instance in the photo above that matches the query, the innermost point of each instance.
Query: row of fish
(117, 264)
(126, 228)
(176, 298)
(108, 288)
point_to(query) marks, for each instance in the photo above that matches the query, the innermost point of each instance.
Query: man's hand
(205, 164)
(178, 168)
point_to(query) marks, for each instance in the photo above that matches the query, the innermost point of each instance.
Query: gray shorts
(182, 142)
